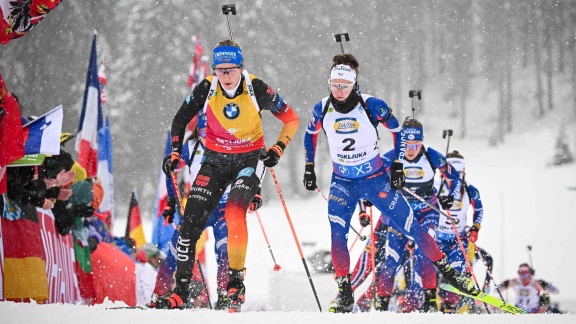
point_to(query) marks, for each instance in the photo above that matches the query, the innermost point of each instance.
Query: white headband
(342, 71)
(457, 163)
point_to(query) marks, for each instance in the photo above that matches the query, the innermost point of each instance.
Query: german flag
(134, 228)
(24, 257)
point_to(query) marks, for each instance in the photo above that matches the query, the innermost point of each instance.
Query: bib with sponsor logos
(527, 297)
(233, 125)
(419, 177)
(353, 142)
(458, 213)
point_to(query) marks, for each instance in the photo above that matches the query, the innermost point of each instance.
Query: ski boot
(449, 308)
(222, 302)
(429, 301)
(456, 279)
(196, 288)
(381, 303)
(236, 290)
(344, 303)
(177, 298)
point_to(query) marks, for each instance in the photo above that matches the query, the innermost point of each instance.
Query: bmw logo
(231, 111)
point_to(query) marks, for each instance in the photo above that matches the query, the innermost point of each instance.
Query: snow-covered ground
(526, 203)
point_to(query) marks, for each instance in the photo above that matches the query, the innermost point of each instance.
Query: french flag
(161, 234)
(42, 135)
(105, 173)
(90, 119)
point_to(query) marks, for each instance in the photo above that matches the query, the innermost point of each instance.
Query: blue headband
(228, 54)
(414, 133)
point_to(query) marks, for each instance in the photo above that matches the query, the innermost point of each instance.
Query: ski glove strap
(171, 162)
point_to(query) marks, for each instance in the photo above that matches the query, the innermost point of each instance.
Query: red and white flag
(103, 81)
(90, 118)
(198, 68)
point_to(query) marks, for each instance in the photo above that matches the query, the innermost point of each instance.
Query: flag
(105, 173)
(18, 17)
(42, 135)
(90, 118)
(11, 133)
(103, 81)
(114, 275)
(59, 256)
(161, 234)
(198, 68)
(24, 263)
(134, 228)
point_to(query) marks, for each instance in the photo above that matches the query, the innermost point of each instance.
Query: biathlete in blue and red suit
(349, 121)
(420, 165)
(232, 100)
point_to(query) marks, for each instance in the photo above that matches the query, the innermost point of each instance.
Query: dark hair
(346, 59)
(227, 43)
(454, 154)
(411, 122)
(528, 266)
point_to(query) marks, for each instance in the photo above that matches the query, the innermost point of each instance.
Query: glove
(397, 175)
(473, 233)
(169, 210)
(410, 245)
(273, 154)
(446, 202)
(364, 219)
(171, 162)
(256, 203)
(82, 210)
(310, 177)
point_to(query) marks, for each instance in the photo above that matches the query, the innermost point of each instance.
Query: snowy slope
(526, 203)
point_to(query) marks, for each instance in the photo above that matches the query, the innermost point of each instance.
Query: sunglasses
(229, 71)
(413, 146)
(334, 86)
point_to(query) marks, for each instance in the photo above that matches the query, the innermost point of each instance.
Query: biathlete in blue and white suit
(446, 238)
(420, 165)
(349, 121)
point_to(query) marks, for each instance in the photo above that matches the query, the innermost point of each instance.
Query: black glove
(397, 175)
(171, 162)
(367, 203)
(82, 210)
(364, 219)
(169, 210)
(446, 202)
(256, 203)
(310, 177)
(272, 155)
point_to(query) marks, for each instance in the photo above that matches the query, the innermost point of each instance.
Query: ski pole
(178, 194)
(529, 247)
(295, 236)
(412, 94)
(277, 267)
(489, 273)
(362, 237)
(226, 9)
(447, 214)
(204, 283)
(356, 239)
(373, 252)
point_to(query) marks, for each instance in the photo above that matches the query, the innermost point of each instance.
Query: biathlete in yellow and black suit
(232, 100)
